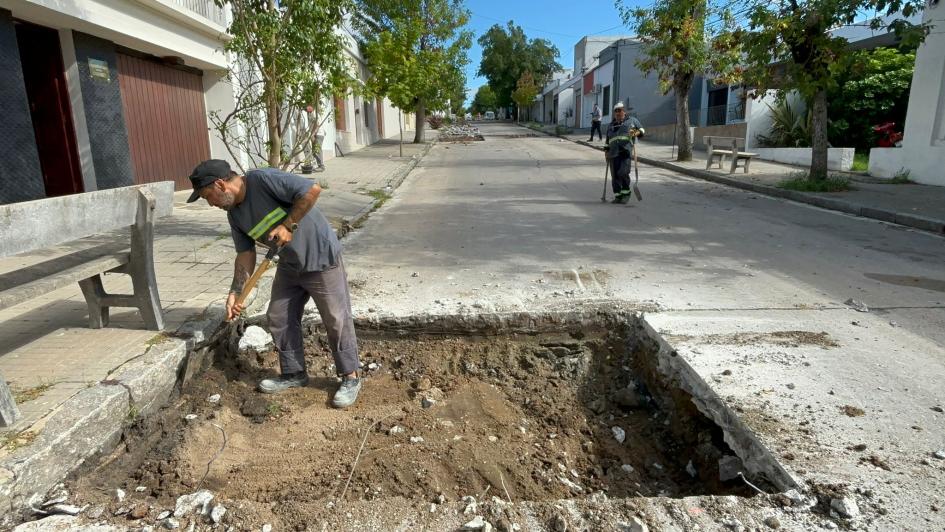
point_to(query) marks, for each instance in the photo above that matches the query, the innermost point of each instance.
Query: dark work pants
(595, 126)
(329, 289)
(620, 173)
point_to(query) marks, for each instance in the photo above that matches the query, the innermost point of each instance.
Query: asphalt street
(515, 222)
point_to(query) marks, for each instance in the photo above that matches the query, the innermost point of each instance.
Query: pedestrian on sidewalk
(317, 149)
(595, 123)
(277, 209)
(621, 139)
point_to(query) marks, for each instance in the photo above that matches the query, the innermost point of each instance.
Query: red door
(166, 120)
(50, 110)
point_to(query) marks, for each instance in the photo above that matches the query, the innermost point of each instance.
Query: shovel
(272, 257)
(239, 324)
(636, 169)
(603, 195)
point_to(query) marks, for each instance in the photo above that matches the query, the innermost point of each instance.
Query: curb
(394, 181)
(900, 218)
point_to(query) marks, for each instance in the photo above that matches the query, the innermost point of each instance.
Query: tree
(678, 45)
(788, 45)
(416, 50)
(525, 92)
(289, 58)
(484, 100)
(873, 91)
(507, 53)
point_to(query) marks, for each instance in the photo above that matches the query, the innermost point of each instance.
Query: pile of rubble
(460, 133)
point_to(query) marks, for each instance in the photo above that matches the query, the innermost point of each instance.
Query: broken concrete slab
(88, 424)
(151, 378)
(9, 413)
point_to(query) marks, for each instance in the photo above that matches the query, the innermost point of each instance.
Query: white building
(922, 154)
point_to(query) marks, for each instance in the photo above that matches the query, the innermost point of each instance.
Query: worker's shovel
(603, 194)
(239, 327)
(636, 169)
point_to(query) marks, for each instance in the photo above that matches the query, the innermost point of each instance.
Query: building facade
(101, 94)
(922, 154)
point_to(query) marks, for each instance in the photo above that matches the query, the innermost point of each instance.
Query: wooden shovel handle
(251, 283)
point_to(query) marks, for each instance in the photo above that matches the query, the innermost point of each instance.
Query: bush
(435, 121)
(789, 128)
(562, 130)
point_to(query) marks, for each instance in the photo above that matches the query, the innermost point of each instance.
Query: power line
(527, 27)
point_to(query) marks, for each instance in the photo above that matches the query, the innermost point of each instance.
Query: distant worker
(621, 139)
(595, 123)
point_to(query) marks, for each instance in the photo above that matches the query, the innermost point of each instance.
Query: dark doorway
(48, 97)
(717, 106)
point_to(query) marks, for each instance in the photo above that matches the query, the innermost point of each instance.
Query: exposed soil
(522, 418)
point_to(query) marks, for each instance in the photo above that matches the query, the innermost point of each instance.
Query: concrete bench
(723, 147)
(38, 225)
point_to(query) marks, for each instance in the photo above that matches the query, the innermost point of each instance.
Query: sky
(564, 23)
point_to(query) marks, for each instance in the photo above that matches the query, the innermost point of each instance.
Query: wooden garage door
(166, 120)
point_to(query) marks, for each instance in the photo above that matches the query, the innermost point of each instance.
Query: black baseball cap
(206, 173)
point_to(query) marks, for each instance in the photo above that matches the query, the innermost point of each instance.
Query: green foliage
(485, 100)
(526, 90)
(416, 51)
(805, 184)
(288, 56)
(861, 162)
(679, 45)
(901, 177)
(873, 89)
(789, 127)
(789, 45)
(507, 53)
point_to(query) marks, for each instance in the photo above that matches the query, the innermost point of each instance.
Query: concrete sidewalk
(64, 374)
(913, 205)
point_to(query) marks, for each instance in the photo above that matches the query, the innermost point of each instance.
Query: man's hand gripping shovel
(239, 324)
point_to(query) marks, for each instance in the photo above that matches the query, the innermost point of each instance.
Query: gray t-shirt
(270, 194)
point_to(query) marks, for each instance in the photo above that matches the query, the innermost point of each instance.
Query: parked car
(468, 116)
(490, 115)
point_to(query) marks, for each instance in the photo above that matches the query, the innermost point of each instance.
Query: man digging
(276, 209)
(621, 137)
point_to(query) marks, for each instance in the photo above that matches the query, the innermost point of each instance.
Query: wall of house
(101, 100)
(20, 175)
(157, 27)
(758, 115)
(665, 134)
(604, 76)
(923, 146)
(642, 93)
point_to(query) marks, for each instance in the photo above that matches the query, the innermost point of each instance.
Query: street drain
(521, 407)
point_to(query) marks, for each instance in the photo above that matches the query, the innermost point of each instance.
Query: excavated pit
(520, 408)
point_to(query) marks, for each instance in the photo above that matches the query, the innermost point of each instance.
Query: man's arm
(243, 268)
(281, 235)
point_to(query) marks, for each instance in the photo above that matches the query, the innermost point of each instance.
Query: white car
(468, 116)
(490, 115)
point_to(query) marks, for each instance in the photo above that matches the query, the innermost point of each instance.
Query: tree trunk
(421, 122)
(681, 87)
(818, 159)
(400, 122)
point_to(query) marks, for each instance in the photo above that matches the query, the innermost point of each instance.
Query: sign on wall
(98, 69)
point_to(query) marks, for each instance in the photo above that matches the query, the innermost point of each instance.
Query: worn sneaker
(347, 394)
(283, 382)
(617, 199)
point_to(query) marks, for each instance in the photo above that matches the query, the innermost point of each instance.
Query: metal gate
(166, 120)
